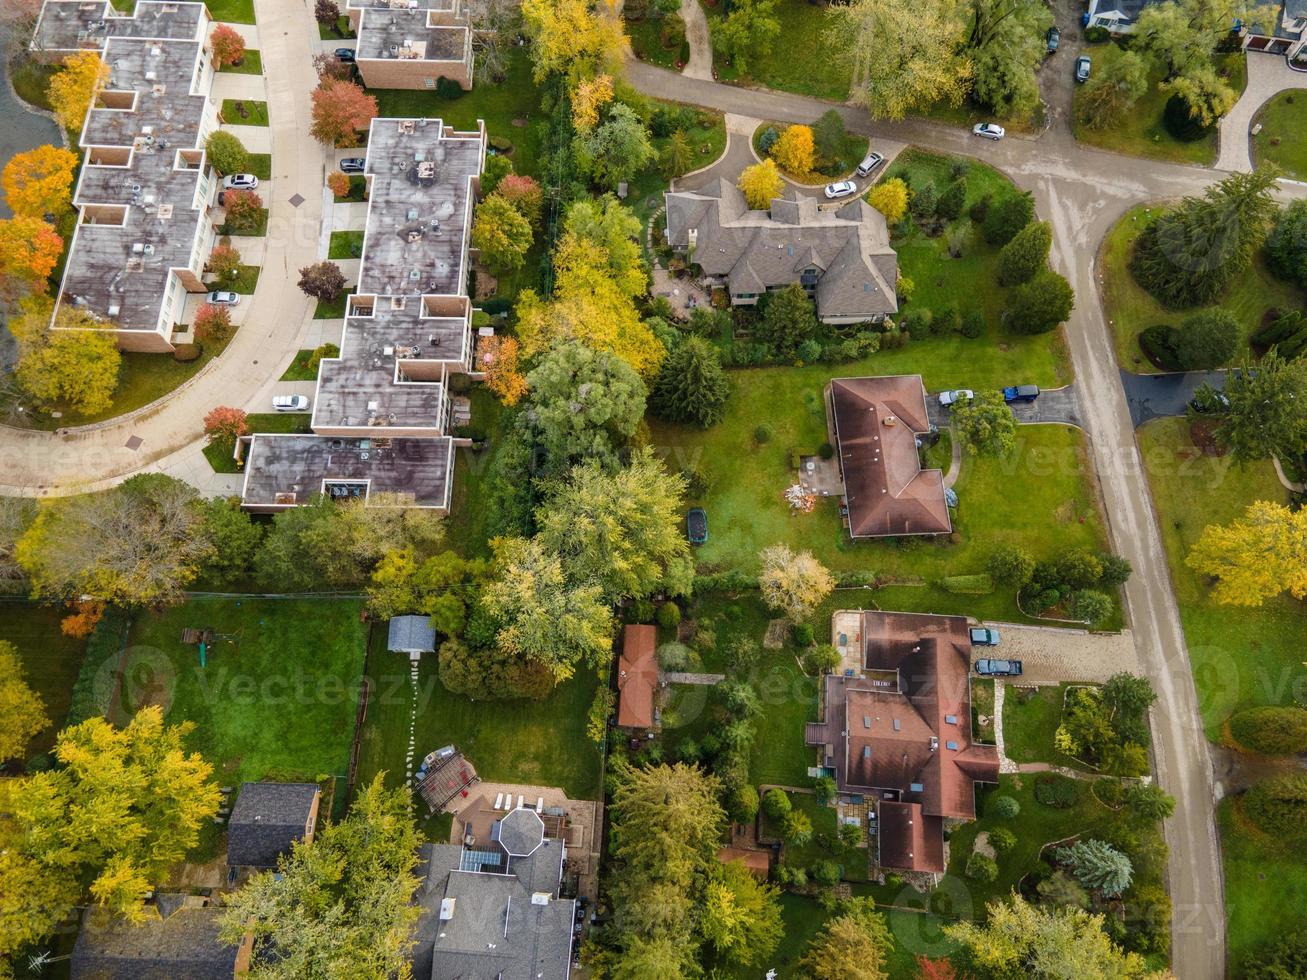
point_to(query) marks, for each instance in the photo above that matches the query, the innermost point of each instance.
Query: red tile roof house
(637, 678)
(887, 493)
(899, 734)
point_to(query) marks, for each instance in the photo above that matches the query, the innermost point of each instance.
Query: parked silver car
(841, 188)
(223, 297)
(240, 182)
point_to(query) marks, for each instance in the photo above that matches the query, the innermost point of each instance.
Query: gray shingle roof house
(1285, 35)
(182, 942)
(267, 819)
(494, 913)
(411, 634)
(841, 256)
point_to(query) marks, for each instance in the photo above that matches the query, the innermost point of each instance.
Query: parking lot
(1050, 655)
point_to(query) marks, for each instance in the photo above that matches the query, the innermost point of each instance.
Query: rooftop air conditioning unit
(151, 76)
(149, 249)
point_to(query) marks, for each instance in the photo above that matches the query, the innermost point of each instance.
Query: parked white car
(291, 403)
(240, 182)
(841, 188)
(223, 297)
(947, 398)
(990, 131)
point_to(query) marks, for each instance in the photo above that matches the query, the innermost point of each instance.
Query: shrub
(766, 140)
(825, 872)
(967, 584)
(973, 324)
(447, 88)
(1007, 216)
(674, 656)
(668, 615)
(1039, 305)
(981, 867)
(803, 635)
(762, 433)
(1004, 807)
(825, 450)
(1002, 839)
(1097, 34)
(776, 804)
(820, 659)
(809, 351)
(226, 153)
(979, 211)
(1011, 565)
(185, 353)
(1025, 254)
(1272, 729)
(951, 202)
(1056, 791)
(917, 321)
(640, 611)
(824, 788)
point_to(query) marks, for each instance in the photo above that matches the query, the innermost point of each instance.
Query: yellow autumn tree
(590, 96)
(498, 358)
(760, 183)
(1255, 557)
(890, 198)
(40, 181)
(73, 88)
(573, 38)
(76, 366)
(795, 151)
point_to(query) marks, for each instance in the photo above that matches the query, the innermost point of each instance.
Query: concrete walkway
(1268, 74)
(164, 435)
(699, 39)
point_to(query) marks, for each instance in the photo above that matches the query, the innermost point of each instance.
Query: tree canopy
(1255, 557)
(986, 424)
(22, 710)
(793, 584)
(691, 387)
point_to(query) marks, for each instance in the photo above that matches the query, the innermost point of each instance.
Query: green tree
(950, 203)
(1286, 246)
(788, 319)
(776, 803)
(340, 905)
(746, 33)
(501, 234)
(828, 136)
(617, 149)
(1091, 606)
(22, 710)
(741, 917)
(796, 828)
(854, 945)
(542, 617)
(1039, 305)
(615, 230)
(1283, 959)
(227, 153)
(1273, 729)
(1149, 801)
(691, 387)
(620, 531)
(584, 405)
(1098, 866)
(678, 157)
(1007, 216)
(1203, 93)
(1127, 698)
(985, 424)
(1007, 52)
(1060, 890)
(1183, 34)
(77, 364)
(1278, 806)
(1011, 564)
(234, 537)
(1266, 412)
(1025, 255)
(1113, 90)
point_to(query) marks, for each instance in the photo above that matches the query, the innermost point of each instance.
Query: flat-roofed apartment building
(146, 190)
(411, 43)
(381, 412)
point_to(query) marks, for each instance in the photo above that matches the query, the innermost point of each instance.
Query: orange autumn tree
(40, 181)
(498, 358)
(29, 251)
(228, 46)
(225, 424)
(73, 88)
(340, 110)
(82, 621)
(338, 182)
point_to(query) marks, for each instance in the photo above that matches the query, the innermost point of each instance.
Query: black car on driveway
(998, 668)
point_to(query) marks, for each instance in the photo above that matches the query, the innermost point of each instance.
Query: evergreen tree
(851, 946)
(1098, 866)
(1039, 305)
(952, 201)
(1025, 255)
(691, 387)
(1286, 248)
(787, 321)
(1007, 216)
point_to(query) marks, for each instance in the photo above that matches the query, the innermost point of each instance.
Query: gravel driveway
(1051, 656)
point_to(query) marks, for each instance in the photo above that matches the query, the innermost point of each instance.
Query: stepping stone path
(412, 717)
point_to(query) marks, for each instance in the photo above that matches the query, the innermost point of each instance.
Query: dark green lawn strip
(255, 113)
(219, 454)
(345, 245)
(251, 64)
(333, 309)
(261, 165)
(50, 660)
(231, 11)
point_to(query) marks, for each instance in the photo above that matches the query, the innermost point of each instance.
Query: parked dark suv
(1020, 393)
(998, 668)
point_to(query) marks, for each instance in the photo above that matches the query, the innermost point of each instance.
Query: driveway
(1052, 655)
(1268, 74)
(1155, 396)
(1053, 405)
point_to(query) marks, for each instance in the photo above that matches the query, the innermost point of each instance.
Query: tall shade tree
(1256, 557)
(542, 617)
(39, 181)
(890, 198)
(1113, 90)
(796, 150)
(22, 710)
(760, 183)
(691, 387)
(588, 98)
(611, 226)
(1023, 940)
(851, 946)
(577, 39)
(748, 32)
(616, 150)
(1183, 34)
(341, 110)
(141, 543)
(1039, 305)
(74, 86)
(498, 358)
(1006, 47)
(1265, 410)
(1027, 253)
(793, 584)
(29, 251)
(340, 906)
(77, 366)
(741, 917)
(986, 424)
(228, 46)
(788, 319)
(501, 234)
(1286, 246)
(620, 530)
(121, 807)
(903, 54)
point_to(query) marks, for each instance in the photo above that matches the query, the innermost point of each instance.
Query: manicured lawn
(1031, 716)
(32, 81)
(261, 165)
(345, 245)
(247, 278)
(1141, 131)
(251, 64)
(802, 59)
(646, 43)
(536, 742)
(1265, 887)
(339, 32)
(511, 109)
(278, 695)
(219, 453)
(982, 706)
(358, 189)
(1241, 656)
(255, 229)
(299, 369)
(232, 11)
(1283, 121)
(50, 660)
(335, 309)
(467, 530)
(244, 112)
(1130, 310)
(825, 844)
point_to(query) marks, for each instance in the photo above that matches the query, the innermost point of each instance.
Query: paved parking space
(1052, 405)
(1153, 396)
(1050, 655)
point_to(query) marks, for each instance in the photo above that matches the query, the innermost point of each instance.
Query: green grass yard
(333, 309)
(802, 59)
(1241, 657)
(277, 698)
(231, 11)
(299, 369)
(50, 661)
(219, 454)
(467, 529)
(1031, 716)
(251, 64)
(1130, 309)
(345, 245)
(244, 112)
(825, 844)
(1141, 132)
(646, 43)
(1280, 142)
(1265, 887)
(261, 165)
(535, 742)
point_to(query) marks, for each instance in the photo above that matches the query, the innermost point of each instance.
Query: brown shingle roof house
(900, 732)
(887, 493)
(637, 677)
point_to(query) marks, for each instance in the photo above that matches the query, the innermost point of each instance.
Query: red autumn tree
(225, 424)
(340, 110)
(82, 621)
(244, 210)
(29, 251)
(338, 182)
(327, 65)
(223, 261)
(212, 323)
(228, 46)
(524, 194)
(928, 969)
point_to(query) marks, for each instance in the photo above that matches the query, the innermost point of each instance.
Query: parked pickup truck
(983, 636)
(998, 668)
(1020, 393)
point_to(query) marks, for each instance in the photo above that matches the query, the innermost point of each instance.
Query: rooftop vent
(540, 898)
(447, 909)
